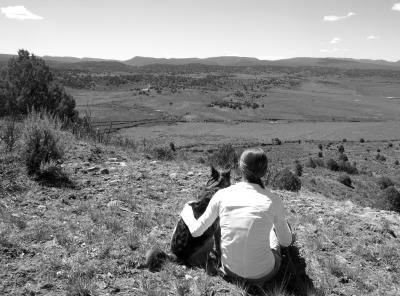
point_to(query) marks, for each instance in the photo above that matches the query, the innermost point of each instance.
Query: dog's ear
(214, 174)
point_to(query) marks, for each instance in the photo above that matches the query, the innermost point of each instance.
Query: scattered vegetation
(384, 182)
(389, 199)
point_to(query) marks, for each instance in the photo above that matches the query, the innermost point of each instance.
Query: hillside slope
(90, 239)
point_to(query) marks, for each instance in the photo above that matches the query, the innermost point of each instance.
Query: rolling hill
(139, 61)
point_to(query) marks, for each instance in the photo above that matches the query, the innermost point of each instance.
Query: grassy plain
(318, 109)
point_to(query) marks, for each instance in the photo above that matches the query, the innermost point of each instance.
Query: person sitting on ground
(252, 221)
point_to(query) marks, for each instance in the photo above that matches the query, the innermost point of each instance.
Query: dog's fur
(185, 248)
(194, 250)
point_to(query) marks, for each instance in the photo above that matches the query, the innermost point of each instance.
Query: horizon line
(272, 58)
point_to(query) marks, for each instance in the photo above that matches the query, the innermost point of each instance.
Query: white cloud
(19, 13)
(334, 18)
(372, 37)
(333, 50)
(396, 7)
(336, 40)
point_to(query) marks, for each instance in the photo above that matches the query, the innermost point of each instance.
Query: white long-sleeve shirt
(247, 213)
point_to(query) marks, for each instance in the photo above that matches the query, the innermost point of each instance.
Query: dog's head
(219, 179)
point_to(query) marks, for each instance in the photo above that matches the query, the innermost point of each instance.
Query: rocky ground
(90, 236)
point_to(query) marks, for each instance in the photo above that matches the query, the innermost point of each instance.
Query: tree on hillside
(28, 83)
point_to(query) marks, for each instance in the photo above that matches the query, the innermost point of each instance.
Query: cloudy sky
(121, 29)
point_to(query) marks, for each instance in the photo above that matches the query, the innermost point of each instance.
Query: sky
(266, 29)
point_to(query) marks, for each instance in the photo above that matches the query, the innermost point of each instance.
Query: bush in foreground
(389, 199)
(43, 141)
(384, 182)
(286, 180)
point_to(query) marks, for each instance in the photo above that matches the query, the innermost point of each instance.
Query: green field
(318, 109)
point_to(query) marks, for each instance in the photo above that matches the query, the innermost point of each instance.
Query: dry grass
(74, 241)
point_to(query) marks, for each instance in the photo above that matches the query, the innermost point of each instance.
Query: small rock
(104, 171)
(93, 169)
(114, 203)
(190, 174)
(41, 207)
(123, 164)
(86, 163)
(173, 175)
(113, 159)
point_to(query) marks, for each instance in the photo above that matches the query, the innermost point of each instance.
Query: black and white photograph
(200, 147)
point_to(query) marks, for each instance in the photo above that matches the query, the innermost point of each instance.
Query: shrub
(362, 140)
(396, 162)
(343, 157)
(9, 133)
(276, 141)
(389, 199)
(341, 149)
(345, 180)
(298, 168)
(51, 174)
(384, 182)
(345, 166)
(30, 84)
(225, 157)
(344, 140)
(390, 145)
(320, 146)
(332, 165)
(42, 138)
(320, 155)
(163, 153)
(286, 180)
(380, 157)
(319, 162)
(310, 163)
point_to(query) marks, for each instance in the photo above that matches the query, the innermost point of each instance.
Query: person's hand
(187, 210)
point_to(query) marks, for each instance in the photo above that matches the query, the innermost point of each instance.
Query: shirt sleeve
(282, 229)
(198, 227)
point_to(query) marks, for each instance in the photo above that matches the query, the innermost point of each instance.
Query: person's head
(253, 164)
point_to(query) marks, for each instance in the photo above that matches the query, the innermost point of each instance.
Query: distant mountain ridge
(139, 61)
